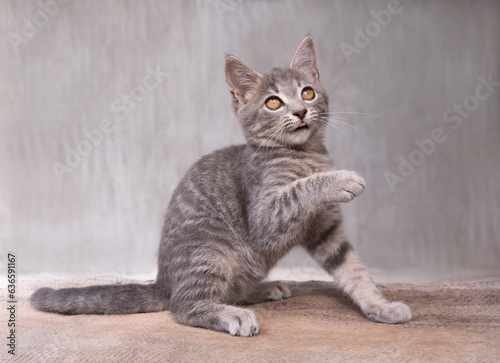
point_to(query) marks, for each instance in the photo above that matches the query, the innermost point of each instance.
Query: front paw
(348, 184)
(389, 313)
(243, 323)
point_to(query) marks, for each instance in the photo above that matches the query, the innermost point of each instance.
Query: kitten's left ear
(304, 59)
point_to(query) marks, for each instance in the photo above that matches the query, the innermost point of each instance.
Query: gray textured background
(82, 60)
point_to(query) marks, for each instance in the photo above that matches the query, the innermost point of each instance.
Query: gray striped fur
(238, 210)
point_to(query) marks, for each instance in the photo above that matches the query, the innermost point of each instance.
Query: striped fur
(238, 210)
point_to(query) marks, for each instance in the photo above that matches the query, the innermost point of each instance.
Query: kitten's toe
(345, 196)
(389, 313)
(285, 291)
(349, 184)
(277, 292)
(244, 324)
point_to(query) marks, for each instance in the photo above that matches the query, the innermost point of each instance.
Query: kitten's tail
(105, 299)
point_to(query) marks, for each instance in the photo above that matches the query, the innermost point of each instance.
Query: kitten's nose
(300, 114)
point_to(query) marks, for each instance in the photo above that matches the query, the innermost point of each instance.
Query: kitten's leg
(268, 291)
(204, 289)
(232, 319)
(335, 254)
(285, 208)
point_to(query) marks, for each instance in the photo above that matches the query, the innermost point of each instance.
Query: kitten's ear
(240, 78)
(304, 59)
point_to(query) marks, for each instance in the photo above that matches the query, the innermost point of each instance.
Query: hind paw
(276, 291)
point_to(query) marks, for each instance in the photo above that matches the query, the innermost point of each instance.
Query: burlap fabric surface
(452, 322)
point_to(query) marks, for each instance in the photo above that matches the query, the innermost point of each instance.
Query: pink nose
(300, 114)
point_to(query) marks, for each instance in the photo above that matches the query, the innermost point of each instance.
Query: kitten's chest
(308, 165)
(317, 164)
(286, 166)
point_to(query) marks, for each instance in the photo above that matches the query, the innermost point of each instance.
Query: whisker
(345, 133)
(266, 139)
(341, 123)
(325, 123)
(349, 118)
(347, 124)
(349, 113)
(277, 139)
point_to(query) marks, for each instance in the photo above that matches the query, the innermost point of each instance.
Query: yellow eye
(307, 94)
(273, 103)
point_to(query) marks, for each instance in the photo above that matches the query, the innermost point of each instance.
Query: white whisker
(325, 123)
(266, 139)
(347, 124)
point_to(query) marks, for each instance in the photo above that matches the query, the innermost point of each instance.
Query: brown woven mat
(459, 322)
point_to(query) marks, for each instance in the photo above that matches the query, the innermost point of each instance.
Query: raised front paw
(389, 313)
(348, 184)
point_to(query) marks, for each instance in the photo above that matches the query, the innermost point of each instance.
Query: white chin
(298, 137)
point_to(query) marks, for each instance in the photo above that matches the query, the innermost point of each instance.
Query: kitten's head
(283, 107)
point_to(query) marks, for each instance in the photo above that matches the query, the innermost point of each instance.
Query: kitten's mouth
(302, 126)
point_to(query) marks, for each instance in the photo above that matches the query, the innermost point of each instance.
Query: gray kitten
(238, 210)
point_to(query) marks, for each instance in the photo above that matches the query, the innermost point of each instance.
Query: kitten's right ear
(305, 58)
(240, 78)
